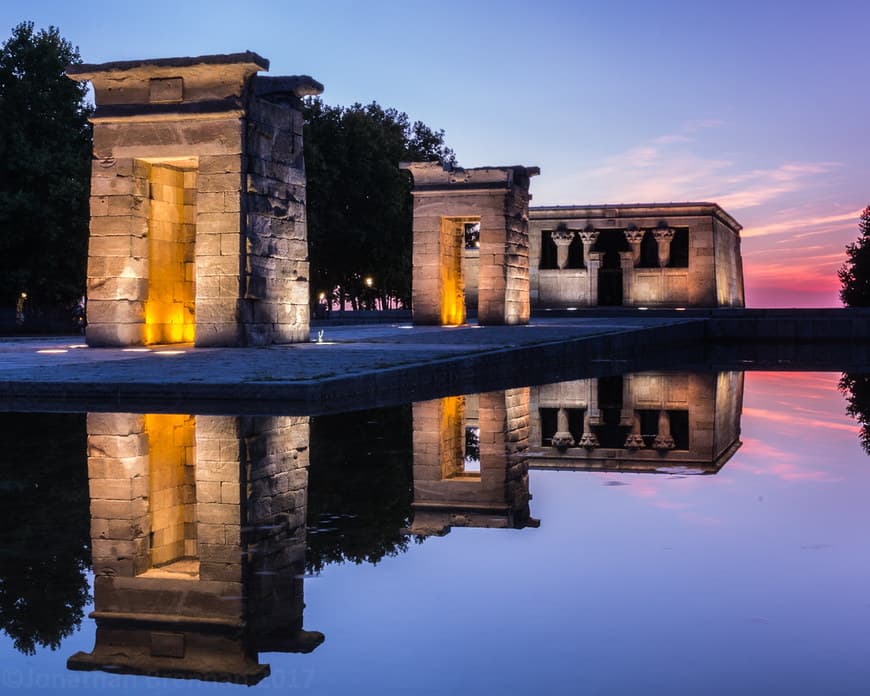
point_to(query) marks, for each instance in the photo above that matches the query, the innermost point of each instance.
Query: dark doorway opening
(610, 243)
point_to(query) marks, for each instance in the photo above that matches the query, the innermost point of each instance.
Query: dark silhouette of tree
(855, 272)
(856, 388)
(45, 161)
(359, 486)
(359, 203)
(44, 528)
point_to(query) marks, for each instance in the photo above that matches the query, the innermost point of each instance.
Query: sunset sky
(762, 107)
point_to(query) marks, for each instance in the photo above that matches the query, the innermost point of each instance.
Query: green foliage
(359, 202)
(44, 528)
(855, 273)
(45, 156)
(359, 486)
(856, 388)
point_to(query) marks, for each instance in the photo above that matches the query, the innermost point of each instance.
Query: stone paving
(346, 362)
(343, 350)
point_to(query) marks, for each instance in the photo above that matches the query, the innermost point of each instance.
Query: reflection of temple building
(470, 467)
(198, 533)
(472, 453)
(643, 422)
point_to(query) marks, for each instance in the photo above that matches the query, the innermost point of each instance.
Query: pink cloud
(777, 463)
(802, 225)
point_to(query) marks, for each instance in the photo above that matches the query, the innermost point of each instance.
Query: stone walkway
(393, 357)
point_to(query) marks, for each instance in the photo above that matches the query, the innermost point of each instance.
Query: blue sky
(760, 106)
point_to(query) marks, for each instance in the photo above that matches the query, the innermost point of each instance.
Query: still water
(650, 533)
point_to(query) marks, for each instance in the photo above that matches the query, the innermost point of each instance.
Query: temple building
(198, 222)
(480, 251)
(638, 255)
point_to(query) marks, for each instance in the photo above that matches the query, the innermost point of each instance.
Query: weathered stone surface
(497, 198)
(184, 150)
(707, 273)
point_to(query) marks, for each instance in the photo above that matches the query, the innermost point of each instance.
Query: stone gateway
(197, 203)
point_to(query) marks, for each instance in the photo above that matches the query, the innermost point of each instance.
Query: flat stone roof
(82, 70)
(623, 210)
(433, 176)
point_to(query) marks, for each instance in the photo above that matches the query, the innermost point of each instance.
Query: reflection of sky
(751, 581)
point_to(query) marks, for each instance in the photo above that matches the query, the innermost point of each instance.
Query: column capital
(663, 234)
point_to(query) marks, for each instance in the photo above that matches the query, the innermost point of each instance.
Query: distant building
(655, 255)
(637, 255)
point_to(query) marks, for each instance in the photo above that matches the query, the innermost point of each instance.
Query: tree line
(359, 204)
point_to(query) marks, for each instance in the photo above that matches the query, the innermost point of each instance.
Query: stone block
(111, 489)
(115, 423)
(230, 492)
(117, 467)
(116, 311)
(207, 533)
(117, 447)
(208, 491)
(114, 288)
(217, 334)
(222, 265)
(218, 513)
(113, 245)
(225, 572)
(220, 164)
(230, 181)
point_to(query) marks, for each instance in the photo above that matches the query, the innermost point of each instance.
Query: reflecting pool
(657, 532)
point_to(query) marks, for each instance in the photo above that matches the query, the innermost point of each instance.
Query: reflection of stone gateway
(495, 495)
(198, 537)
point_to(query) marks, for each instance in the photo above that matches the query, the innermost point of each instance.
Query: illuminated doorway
(171, 210)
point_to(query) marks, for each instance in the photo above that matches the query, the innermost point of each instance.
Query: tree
(359, 202)
(855, 272)
(45, 155)
(855, 386)
(360, 486)
(45, 535)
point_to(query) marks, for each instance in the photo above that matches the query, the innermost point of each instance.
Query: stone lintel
(155, 87)
(433, 177)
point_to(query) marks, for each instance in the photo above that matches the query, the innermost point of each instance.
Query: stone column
(588, 236)
(663, 440)
(626, 262)
(634, 237)
(634, 441)
(562, 238)
(592, 259)
(562, 439)
(588, 439)
(663, 238)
